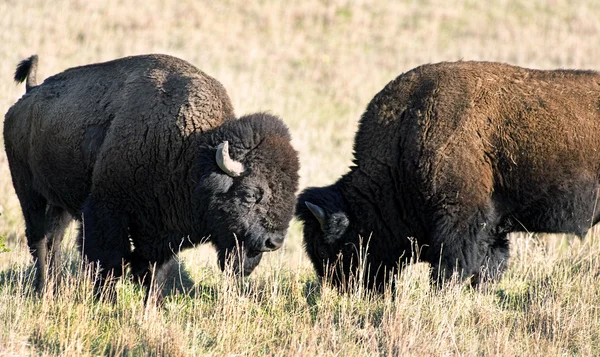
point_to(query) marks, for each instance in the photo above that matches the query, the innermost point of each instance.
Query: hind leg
(57, 220)
(33, 205)
(105, 241)
(34, 215)
(44, 228)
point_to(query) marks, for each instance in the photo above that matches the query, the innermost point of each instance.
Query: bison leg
(44, 229)
(461, 242)
(495, 261)
(34, 230)
(105, 241)
(150, 275)
(57, 221)
(33, 205)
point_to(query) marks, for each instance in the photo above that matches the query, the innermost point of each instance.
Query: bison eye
(251, 195)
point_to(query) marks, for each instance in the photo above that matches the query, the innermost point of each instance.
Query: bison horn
(226, 163)
(318, 212)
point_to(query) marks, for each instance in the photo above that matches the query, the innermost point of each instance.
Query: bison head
(249, 175)
(337, 244)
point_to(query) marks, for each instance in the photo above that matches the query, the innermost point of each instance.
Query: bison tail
(27, 69)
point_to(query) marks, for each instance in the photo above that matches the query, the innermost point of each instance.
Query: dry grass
(316, 64)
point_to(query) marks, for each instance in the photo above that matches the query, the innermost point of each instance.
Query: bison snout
(273, 243)
(258, 239)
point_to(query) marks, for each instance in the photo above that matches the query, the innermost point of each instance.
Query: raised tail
(27, 69)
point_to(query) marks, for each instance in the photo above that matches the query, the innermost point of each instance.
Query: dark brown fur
(458, 155)
(122, 142)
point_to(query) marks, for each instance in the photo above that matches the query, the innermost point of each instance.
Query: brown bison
(453, 157)
(146, 151)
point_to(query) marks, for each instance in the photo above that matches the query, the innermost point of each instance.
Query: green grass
(316, 64)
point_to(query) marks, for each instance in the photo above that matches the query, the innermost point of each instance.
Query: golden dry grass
(315, 63)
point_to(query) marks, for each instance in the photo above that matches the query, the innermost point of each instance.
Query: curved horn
(226, 163)
(318, 212)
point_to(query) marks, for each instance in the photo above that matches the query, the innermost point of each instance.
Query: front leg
(105, 241)
(151, 275)
(459, 247)
(495, 261)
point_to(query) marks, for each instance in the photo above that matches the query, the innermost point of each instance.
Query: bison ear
(333, 225)
(318, 212)
(226, 163)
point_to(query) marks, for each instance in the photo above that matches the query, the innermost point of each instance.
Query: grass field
(317, 64)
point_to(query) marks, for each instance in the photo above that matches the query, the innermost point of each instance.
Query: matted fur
(457, 155)
(129, 147)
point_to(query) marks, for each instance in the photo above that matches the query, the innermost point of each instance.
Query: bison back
(60, 128)
(456, 134)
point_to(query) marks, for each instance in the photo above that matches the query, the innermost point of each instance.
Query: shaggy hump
(454, 156)
(135, 148)
(250, 129)
(260, 132)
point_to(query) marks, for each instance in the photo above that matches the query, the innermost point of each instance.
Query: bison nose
(273, 243)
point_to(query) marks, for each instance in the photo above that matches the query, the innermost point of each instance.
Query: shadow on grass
(517, 300)
(312, 291)
(177, 285)
(175, 281)
(18, 279)
(541, 287)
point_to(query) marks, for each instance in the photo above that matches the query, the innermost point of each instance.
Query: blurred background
(315, 63)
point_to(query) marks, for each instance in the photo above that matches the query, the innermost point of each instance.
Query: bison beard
(449, 159)
(147, 153)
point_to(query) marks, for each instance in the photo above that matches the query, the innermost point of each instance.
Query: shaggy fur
(128, 146)
(456, 156)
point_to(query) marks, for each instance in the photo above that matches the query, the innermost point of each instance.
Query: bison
(147, 153)
(451, 157)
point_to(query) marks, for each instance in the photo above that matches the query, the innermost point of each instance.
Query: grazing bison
(453, 157)
(147, 153)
